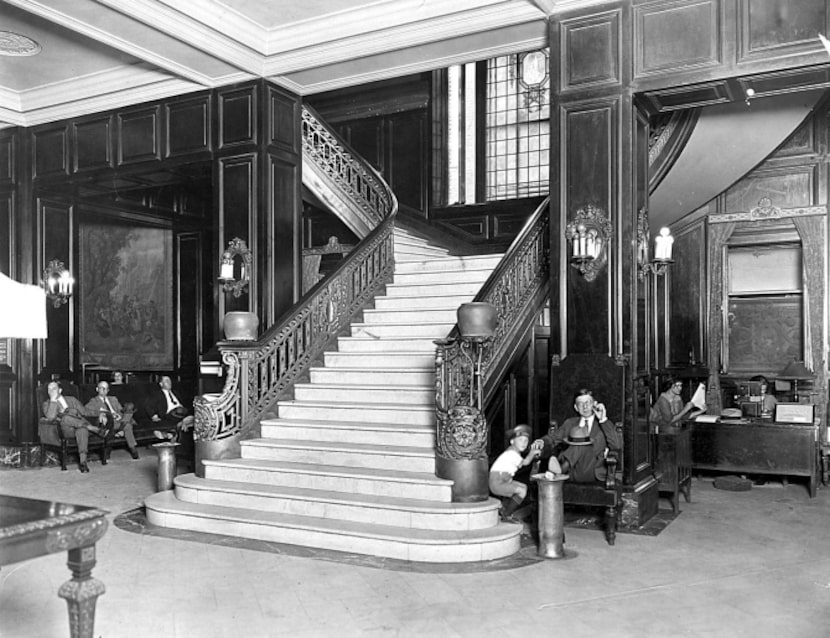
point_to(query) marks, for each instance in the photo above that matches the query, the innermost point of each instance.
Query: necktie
(107, 403)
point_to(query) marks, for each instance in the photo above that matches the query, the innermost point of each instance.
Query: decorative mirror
(235, 269)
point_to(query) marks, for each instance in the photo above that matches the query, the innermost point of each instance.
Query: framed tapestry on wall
(126, 296)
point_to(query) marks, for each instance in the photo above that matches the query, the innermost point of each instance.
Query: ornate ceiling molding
(15, 44)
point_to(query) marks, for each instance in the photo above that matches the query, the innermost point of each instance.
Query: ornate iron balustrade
(517, 288)
(341, 179)
(259, 373)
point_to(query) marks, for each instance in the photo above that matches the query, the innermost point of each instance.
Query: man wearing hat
(581, 442)
(504, 468)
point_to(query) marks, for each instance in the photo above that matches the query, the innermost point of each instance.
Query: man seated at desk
(602, 434)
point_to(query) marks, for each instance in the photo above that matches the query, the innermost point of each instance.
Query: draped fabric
(813, 231)
(718, 236)
(24, 314)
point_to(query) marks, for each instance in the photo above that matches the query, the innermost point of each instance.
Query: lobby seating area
(731, 565)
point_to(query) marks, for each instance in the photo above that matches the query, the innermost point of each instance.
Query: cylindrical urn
(551, 515)
(166, 464)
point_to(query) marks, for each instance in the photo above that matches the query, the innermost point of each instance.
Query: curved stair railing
(258, 373)
(518, 288)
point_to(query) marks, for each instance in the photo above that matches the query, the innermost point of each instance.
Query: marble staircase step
(501, 540)
(303, 501)
(387, 344)
(389, 376)
(379, 359)
(433, 329)
(352, 480)
(409, 315)
(392, 433)
(379, 394)
(342, 411)
(422, 301)
(451, 263)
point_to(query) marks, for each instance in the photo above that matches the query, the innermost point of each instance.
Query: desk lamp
(796, 371)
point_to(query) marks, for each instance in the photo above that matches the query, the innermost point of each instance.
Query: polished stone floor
(732, 565)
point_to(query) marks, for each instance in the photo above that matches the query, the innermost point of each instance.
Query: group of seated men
(77, 420)
(578, 448)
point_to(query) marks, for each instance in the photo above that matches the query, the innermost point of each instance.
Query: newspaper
(699, 397)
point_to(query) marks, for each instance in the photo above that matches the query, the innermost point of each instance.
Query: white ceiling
(101, 54)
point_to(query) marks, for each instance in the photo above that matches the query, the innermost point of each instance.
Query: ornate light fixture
(227, 269)
(589, 234)
(58, 282)
(662, 248)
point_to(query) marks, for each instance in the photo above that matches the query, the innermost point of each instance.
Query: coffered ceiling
(83, 56)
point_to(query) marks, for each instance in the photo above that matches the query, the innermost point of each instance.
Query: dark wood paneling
(687, 300)
(407, 168)
(189, 270)
(56, 229)
(237, 201)
(49, 151)
(764, 334)
(685, 97)
(779, 28)
(285, 214)
(788, 186)
(284, 118)
(188, 126)
(589, 51)
(92, 144)
(139, 137)
(7, 165)
(6, 234)
(237, 117)
(676, 36)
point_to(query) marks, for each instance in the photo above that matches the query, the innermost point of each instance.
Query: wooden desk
(31, 528)
(674, 463)
(757, 446)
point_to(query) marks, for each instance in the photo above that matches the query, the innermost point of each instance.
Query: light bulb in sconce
(663, 245)
(226, 269)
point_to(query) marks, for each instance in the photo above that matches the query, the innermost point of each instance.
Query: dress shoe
(83, 467)
(133, 452)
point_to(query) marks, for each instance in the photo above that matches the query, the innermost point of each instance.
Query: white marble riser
(387, 344)
(404, 330)
(356, 413)
(349, 480)
(393, 512)
(404, 252)
(475, 262)
(442, 277)
(379, 359)
(417, 377)
(418, 289)
(330, 453)
(440, 302)
(387, 395)
(409, 315)
(364, 433)
(412, 545)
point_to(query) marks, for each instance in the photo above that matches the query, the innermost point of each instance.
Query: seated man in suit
(70, 414)
(584, 464)
(112, 415)
(165, 408)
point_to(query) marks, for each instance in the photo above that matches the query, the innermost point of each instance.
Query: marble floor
(733, 564)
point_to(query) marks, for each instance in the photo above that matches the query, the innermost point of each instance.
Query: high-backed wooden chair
(605, 377)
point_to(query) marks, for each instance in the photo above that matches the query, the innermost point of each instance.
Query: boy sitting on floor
(504, 468)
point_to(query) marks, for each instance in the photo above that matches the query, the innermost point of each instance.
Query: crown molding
(94, 33)
(222, 33)
(399, 38)
(388, 71)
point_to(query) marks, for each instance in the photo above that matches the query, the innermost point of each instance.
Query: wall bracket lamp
(659, 265)
(589, 232)
(58, 282)
(232, 281)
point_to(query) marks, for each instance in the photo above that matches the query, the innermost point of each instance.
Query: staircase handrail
(518, 288)
(348, 184)
(259, 373)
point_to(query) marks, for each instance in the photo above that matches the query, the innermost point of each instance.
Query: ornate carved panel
(684, 97)
(92, 144)
(50, 150)
(138, 135)
(677, 35)
(590, 51)
(237, 117)
(793, 187)
(188, 126)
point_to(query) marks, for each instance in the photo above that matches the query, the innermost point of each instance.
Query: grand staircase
(349, 464)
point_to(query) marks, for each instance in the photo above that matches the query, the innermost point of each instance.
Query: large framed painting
(126, 296)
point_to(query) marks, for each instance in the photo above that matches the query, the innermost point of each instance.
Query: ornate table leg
(81, 592)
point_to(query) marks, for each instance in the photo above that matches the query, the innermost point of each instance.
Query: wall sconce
(662, 248)
(58, 282)
(589, 234)
(227, 269)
